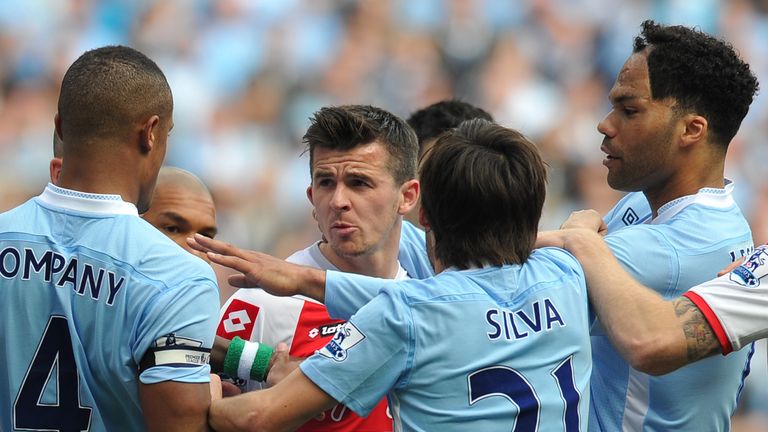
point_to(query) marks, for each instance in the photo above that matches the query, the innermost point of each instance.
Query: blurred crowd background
(247, 74)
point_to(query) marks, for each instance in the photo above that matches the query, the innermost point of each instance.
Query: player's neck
(100, 178)
(381, 264)
(683, 184)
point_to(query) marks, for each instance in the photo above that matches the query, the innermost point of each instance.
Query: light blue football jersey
(88, 287)
(492, 349)
(413, 252)
(687, 243)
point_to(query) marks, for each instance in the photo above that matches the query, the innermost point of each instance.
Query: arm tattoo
(699, 336)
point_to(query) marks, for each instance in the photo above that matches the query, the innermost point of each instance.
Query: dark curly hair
(702, 73)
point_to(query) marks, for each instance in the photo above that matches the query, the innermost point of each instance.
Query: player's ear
(148, 134)
(309, 195)
(694, 129)
(55, 170)
(409, 196)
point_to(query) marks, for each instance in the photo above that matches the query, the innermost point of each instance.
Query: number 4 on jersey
(53, 364)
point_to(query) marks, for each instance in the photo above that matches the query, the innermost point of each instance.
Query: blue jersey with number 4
(497, 348)
(88, 288)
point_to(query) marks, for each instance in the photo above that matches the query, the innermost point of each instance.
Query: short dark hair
(346, 127)
(108, 88)
(483, 189)
(433, 120)
(702, 73)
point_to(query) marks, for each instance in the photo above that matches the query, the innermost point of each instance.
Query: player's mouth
(610, 159)
(342, 228)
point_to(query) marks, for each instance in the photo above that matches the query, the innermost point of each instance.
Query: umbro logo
(630, 217)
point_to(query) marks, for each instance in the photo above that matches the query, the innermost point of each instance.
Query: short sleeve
(346, 293)
(185, 316)
(368, 355)
(735, 304)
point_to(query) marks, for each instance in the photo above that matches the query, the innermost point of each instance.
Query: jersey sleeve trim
(712, 319)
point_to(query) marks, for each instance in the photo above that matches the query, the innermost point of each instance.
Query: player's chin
(349, 249)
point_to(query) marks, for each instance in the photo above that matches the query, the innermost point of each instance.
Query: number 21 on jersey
(508, 383)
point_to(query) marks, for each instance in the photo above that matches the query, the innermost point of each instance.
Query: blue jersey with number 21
(490, 349)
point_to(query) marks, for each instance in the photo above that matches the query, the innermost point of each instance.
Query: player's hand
(550, 239)
(276, 276)
(586, 219)
(281, 364)
(216, 391)
(730, 267)
(229, 389)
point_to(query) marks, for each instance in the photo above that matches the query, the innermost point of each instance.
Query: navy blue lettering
(534, 325)
(57, 264)
(70, 274)
(489, 317)
(518, 335)
(30, 264)
(88, 279)
(114, 287)
(9, 270)
(552, 314)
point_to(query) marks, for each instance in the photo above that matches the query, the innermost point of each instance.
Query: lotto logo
(326, 330)
(238, 320)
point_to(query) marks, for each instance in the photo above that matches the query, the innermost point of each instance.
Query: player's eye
(172, 229)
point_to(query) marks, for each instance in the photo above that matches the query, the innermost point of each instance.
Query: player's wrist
(247, 360)
(313, 283)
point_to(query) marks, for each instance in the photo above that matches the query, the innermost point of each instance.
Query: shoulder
(551, 265)
(156, 257)
(632, 209)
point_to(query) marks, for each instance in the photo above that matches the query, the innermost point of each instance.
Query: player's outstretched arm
(654, 335)
(285, 406)
(175, 406)
(259, 270)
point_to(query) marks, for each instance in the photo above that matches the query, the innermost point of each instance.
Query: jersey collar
(86, 202)
(709, 197)
(320, 259)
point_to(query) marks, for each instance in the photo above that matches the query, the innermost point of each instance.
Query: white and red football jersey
(735, 304)
(305, 326)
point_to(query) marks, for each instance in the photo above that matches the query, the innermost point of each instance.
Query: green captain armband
(247, 360)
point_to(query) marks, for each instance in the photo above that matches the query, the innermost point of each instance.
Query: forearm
(284, 407)
(312, 283)
(644, 328)
(173, 406)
